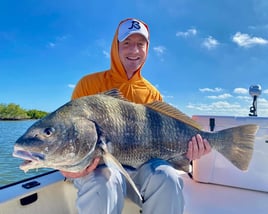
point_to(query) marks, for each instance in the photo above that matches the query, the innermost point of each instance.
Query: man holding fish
(102, 189)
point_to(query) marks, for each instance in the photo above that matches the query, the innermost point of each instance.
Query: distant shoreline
(15, 119)
(13, 112)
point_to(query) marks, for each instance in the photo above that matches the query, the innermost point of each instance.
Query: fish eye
(49, 131)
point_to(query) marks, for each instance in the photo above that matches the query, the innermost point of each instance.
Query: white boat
(215, 186)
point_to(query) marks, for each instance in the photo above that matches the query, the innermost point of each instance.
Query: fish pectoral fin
(112, 162)
(182, 164)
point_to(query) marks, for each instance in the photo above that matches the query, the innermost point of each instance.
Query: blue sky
(203, 56)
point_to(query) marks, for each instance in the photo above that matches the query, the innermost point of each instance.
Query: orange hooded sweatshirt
(137, 89)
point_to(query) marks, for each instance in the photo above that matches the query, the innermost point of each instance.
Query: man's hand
(85, 172)
(197, 147)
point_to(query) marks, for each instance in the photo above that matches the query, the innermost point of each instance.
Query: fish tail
(238, 144)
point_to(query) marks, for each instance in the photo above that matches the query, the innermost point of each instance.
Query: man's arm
(85, 172)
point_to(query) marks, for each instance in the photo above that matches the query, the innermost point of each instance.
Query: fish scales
(141, 133)
(70, 137)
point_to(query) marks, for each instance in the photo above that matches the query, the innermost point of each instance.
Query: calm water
(10, 131)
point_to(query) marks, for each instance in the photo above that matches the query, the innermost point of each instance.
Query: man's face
(132, 53)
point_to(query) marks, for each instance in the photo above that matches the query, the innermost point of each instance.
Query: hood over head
(136, 26)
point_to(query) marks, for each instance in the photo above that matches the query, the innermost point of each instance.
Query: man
(102, 190)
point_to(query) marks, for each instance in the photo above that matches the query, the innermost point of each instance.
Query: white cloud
(244, 40)
(71, 85)
(225, 105)
(222, 96)
(210, 89)
(221, 105)
(159, 50)
(51, 44)
(57, 40)
(241, 91)
(167, 96)
(262, 109)
(106, 54)
(219, 108)
(210, 42)
(259, 27)
(237, 103)
(189, 32)
(244, 98)
(265, 91)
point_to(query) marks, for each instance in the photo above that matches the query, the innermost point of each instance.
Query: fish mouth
(31, 159)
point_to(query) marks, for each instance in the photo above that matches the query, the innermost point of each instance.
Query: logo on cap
(135, 24)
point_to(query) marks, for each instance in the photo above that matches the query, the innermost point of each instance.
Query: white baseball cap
(131, 26)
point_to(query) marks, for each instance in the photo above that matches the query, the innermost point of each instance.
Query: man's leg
(161, 187)
(101, 192)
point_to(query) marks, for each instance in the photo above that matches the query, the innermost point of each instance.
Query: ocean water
(10, 131)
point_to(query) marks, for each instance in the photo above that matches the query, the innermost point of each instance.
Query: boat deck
(54, 195)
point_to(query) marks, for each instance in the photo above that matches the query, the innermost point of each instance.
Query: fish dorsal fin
(115, 93)
(173, 112)
(161, 107)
